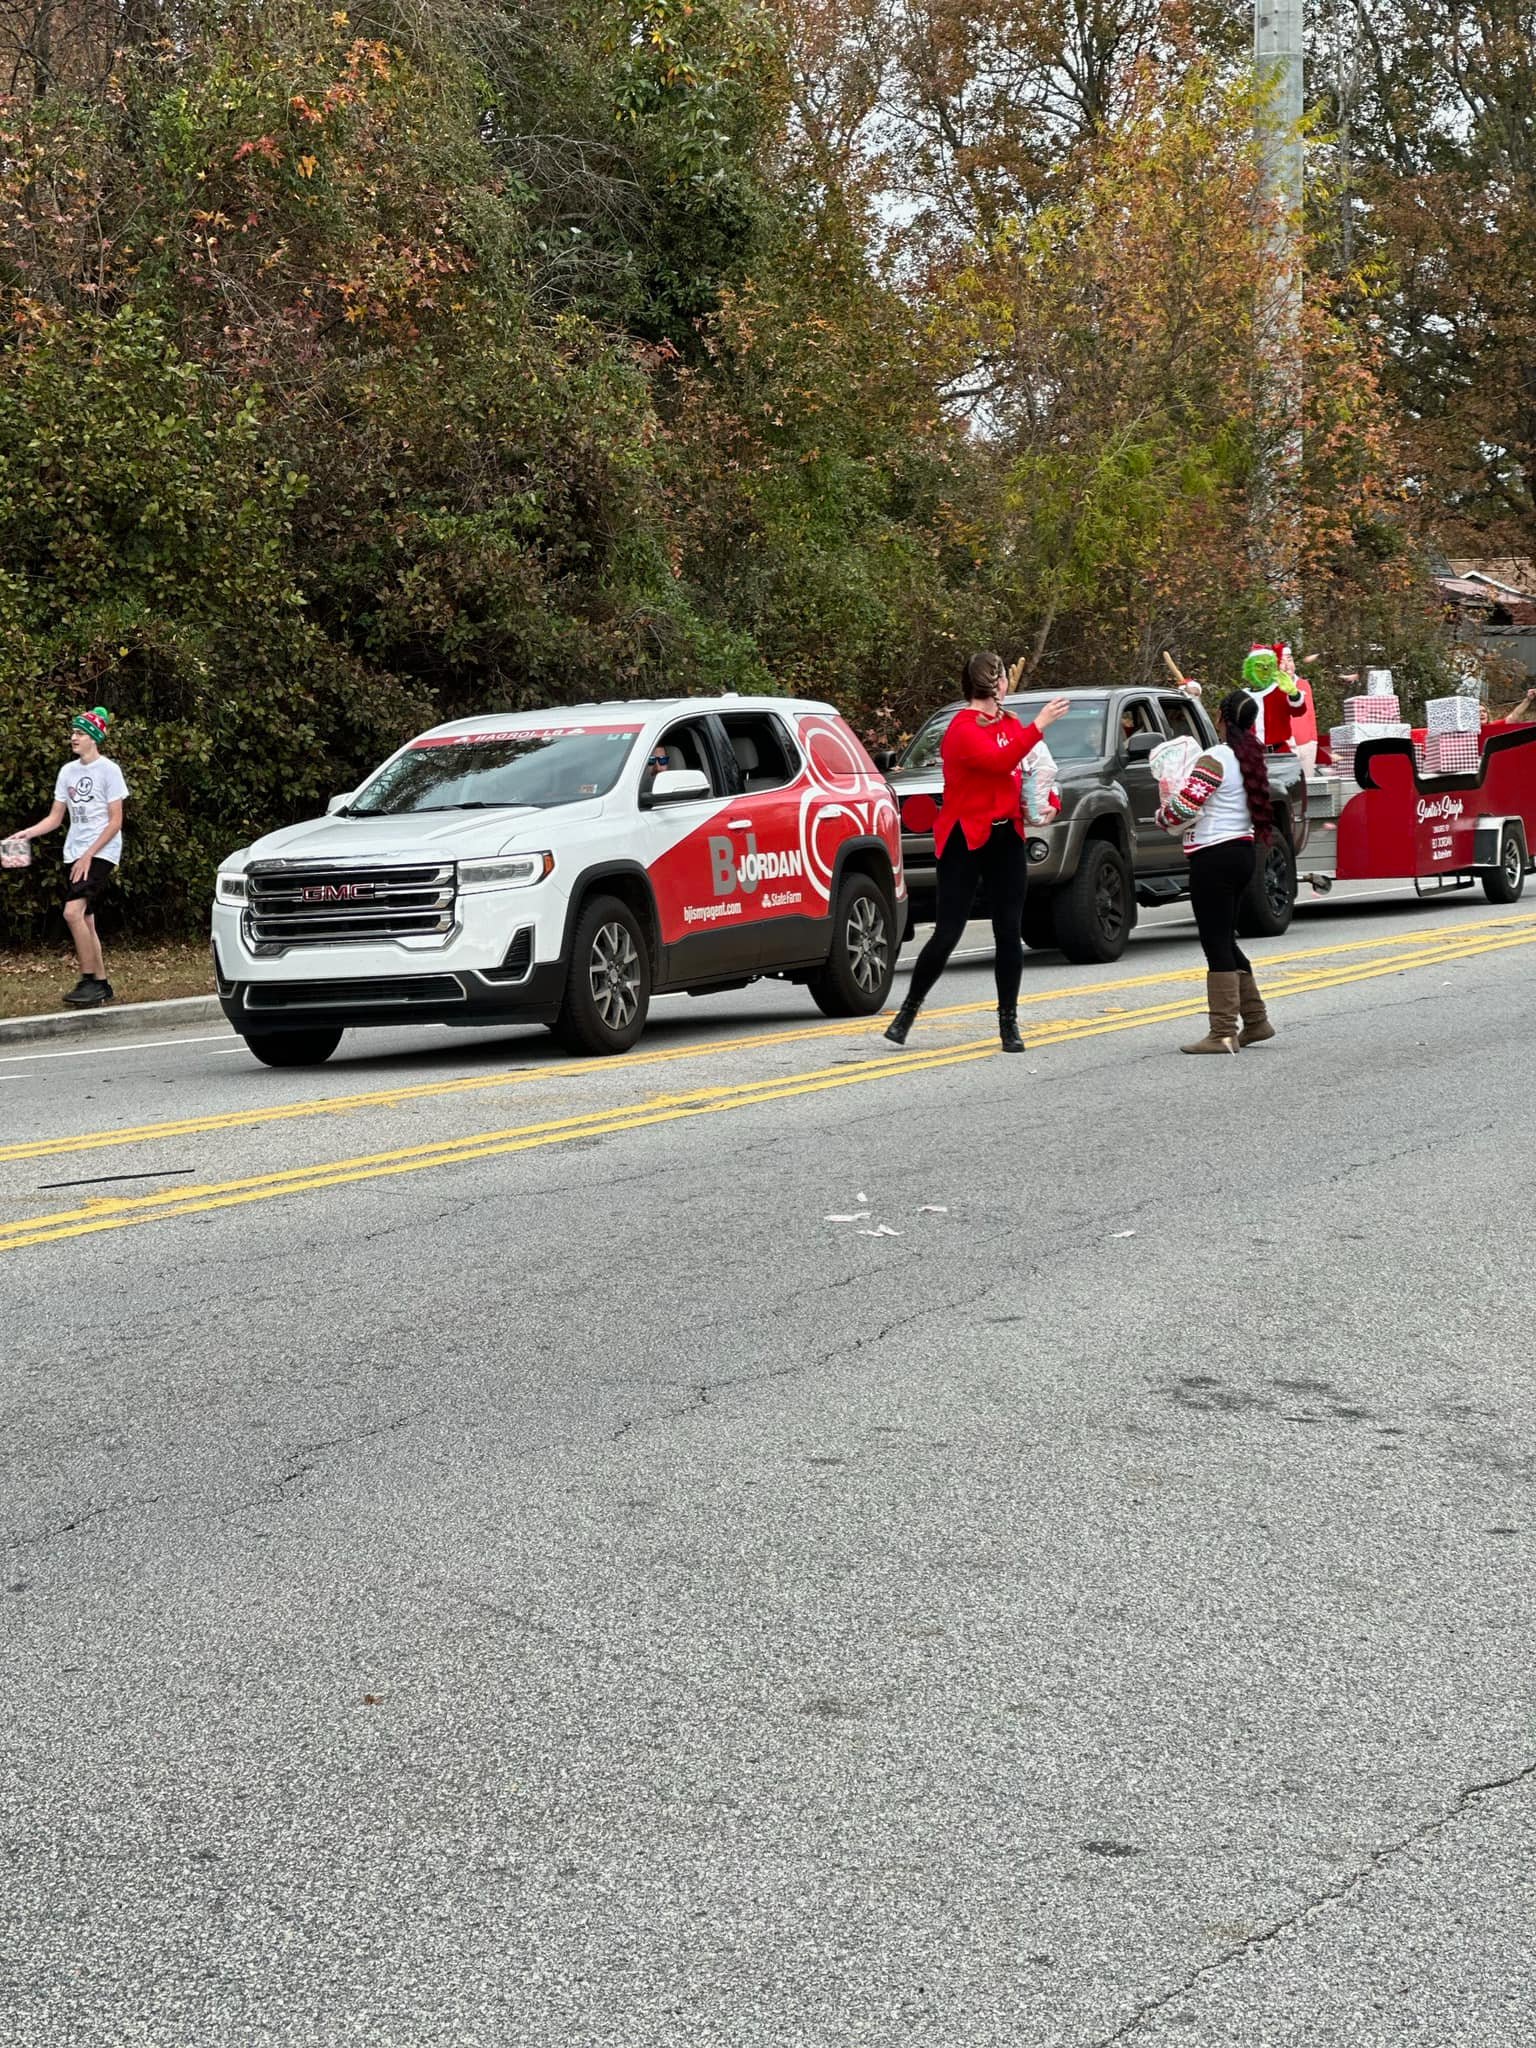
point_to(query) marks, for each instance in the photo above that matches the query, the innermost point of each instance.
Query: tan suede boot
(1221, 1002)
(1250, 1004)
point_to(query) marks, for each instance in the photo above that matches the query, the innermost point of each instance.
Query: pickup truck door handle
(738, 824)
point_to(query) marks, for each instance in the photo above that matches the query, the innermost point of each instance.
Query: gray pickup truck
(1106, 854)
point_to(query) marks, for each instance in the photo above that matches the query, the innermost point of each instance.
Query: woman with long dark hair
(1224, 807)
(979, 836)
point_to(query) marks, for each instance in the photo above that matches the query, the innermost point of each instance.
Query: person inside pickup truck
(1136, 718)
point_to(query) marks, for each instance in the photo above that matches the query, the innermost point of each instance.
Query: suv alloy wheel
(608, 981)
(862, 962)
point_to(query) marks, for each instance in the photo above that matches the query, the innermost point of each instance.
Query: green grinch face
(1261, 669)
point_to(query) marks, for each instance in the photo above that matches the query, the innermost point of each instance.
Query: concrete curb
(116, 1020)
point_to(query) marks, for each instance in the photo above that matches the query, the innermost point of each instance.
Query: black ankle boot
(896, 1031)
(1008, 1027)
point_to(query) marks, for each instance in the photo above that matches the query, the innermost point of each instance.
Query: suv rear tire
(292, 1048)
(862, 961)
(1093, 911)
(608, 983)
(1268, 903)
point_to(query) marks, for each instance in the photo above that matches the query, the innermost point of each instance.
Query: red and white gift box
(1453, 714)
(1382, 710)
(1452, 753)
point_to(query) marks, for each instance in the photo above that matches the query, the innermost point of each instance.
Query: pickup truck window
(539, 766)
(1137, 715)
(1183, 720)
(1077, 736)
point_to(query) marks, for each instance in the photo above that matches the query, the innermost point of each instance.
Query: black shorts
(98, 879)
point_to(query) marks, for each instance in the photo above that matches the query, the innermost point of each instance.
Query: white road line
(107, 1048)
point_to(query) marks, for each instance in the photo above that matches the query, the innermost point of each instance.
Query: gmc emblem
(338, 892)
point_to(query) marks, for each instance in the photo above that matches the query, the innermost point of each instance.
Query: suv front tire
(292, 1048)
(608, 983)
(862, 962)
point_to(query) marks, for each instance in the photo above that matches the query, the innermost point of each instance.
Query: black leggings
(1001, 861)
(1218, 875)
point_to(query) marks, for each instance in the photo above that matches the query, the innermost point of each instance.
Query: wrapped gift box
(1354, 735)
(1454, 714)
(1380, 710)
(1452, 753)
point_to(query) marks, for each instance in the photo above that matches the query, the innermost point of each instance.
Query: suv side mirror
(334, 804)
(676, 786)
(1140, 744)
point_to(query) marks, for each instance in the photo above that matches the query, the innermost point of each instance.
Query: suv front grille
(326, 906)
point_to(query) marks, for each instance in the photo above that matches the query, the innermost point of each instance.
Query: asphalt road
(492, 1559)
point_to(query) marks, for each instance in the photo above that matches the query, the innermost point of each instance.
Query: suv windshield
(480, 771)
(1076, 736)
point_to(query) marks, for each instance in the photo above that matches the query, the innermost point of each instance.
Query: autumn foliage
(358, 369)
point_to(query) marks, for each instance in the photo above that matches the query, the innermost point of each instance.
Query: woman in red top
(979, 836)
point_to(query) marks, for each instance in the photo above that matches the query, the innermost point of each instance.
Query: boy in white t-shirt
(89, 792)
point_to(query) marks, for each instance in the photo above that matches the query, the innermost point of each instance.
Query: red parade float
(1437, 831)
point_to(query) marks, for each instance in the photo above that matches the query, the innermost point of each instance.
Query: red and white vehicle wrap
(740, 836)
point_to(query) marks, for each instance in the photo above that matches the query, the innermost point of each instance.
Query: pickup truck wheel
(292, 1048)
(857, 977)
(1093, 910)
(1269, 901)
(1038, 926)
(1506, 882)
(608, 983)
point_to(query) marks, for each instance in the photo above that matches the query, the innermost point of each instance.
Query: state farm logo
(338, 892)
(730, 874)
(1439, 807)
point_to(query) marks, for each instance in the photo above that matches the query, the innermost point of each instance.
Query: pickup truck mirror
(885, 760)
(676, 786)
(1140, 744)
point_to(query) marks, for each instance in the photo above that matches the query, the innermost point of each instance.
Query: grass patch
(33, 979)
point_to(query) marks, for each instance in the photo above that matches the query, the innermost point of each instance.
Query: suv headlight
(230, 888)
(505, 871)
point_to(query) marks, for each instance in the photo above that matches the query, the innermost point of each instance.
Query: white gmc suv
(561, 867)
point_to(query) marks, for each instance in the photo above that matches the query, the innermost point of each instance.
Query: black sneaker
(89, 993)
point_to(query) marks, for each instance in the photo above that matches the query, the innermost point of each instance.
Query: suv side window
(1137, 715)
(1182, 719)
(686, 745)
(760, 751)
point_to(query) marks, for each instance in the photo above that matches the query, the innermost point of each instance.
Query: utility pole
(1277, 51)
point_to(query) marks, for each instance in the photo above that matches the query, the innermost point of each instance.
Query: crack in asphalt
(1331, 1895)
(706, 1389)
(82, 1520)
(303, 1458)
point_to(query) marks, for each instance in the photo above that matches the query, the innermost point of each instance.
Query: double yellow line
(121, 1213)
(1418, 942)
